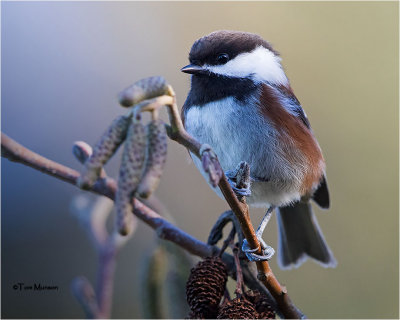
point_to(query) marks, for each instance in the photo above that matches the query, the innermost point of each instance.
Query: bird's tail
(300, 237)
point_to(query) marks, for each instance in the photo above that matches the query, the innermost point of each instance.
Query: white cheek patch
(260, 64)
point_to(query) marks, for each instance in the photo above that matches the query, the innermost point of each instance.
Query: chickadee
(242, 105)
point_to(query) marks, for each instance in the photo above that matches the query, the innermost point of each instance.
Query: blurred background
(63, 64)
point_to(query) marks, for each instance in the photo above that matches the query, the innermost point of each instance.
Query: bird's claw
(239, 179)
(245, 192)
(267, 251)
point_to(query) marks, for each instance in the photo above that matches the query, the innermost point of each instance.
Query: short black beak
(193, 69)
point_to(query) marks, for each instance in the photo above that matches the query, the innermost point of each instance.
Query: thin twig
(227, 241)
(105, 279)
(94, 218)
(239, 273)
(84, 293)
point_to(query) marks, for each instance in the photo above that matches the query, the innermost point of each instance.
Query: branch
(84, 293)
(15, 152)
(105, 186)
(166, 230)
(93, 218)
(178, 133)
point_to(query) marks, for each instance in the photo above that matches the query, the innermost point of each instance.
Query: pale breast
(232, 129)
(237, 132)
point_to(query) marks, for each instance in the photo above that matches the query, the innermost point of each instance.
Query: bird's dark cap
(207, 48)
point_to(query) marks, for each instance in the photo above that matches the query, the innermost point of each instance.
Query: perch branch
(178, 133)
(106, 186)
(165, 230)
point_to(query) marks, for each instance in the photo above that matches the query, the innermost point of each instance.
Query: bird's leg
(267, 251)
(239, 179)
(264, 221)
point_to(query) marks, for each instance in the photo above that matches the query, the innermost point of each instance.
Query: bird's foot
(267, 251)
(239, 179)
(244, 192)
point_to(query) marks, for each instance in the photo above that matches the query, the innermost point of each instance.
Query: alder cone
(269, 314)
(205, 287)
(238, 308)
(261, 303)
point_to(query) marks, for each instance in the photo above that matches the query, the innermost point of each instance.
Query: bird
(242, 105)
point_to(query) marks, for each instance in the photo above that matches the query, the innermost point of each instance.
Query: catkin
(143, 89)
(104, 150)
(129, 174)
(156, 156)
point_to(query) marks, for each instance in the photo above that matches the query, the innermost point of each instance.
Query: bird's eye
(223, 58)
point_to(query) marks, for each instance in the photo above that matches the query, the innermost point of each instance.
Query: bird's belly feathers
(237, 132)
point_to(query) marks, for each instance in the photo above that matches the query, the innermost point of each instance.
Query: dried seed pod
(130, 173)
(104, 150)
(205, 287)
(156, 156)
(238, 308)
(261, 303)
(143, 89)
